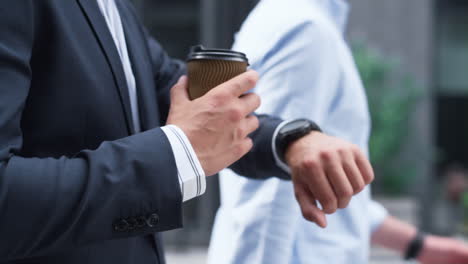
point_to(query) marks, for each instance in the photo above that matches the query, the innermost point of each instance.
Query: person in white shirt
(307, 71)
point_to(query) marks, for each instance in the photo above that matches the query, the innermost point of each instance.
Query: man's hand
(328, 170)
(217, 124)
(438, 250)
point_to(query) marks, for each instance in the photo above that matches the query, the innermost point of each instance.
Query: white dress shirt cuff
(192, 178)
(278, 161)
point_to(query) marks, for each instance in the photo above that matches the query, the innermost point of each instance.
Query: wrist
(296, 148)
(290, 133)
(415, 247)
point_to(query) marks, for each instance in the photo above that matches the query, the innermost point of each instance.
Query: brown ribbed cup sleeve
(205, 75)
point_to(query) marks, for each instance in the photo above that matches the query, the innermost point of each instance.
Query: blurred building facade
(429, 38)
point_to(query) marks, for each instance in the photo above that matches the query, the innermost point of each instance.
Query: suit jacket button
(121, 225)
(152, 220)
(141, 221)
(132, 223)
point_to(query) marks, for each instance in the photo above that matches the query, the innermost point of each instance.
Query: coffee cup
(208, 68)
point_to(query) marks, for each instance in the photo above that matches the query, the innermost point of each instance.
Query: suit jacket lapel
(142, 69)
(103, 35)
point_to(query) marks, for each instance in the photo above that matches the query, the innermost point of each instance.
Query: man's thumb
(179, 93)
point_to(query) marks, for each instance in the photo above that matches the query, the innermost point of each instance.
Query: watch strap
(285, 138)
(415, 247)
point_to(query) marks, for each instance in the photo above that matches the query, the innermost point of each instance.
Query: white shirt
(306, 71)
(190, 172)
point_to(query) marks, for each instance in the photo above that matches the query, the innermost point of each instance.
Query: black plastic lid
(200, 53)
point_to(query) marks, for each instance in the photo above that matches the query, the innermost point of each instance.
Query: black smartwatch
(291, 132)
(415, 247)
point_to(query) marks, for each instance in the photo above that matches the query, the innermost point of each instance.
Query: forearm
(394, 234)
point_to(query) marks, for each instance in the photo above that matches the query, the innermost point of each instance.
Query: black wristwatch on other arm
(415, 247)
(291, 132)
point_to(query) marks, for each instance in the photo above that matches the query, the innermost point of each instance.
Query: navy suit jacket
(76, 184)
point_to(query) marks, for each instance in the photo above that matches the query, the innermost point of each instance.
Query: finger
(249, 103)
(240, 84)
(353, 173)
(339, 182)
(248, 126)
(242, 149)
(308, 205)
(179, 92)
(320, 187)
(364, 166)
(235, 153)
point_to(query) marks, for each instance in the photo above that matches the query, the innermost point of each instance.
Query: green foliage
(392, 96)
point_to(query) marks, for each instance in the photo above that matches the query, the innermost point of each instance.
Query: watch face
(297, 125)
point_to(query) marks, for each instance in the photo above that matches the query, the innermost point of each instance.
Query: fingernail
(322, 221)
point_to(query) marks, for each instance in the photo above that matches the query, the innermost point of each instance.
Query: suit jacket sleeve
(260, 163)
(167, 72)
(49, 204)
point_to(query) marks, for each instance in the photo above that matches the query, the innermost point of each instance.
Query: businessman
(98, 153)
(307, 71)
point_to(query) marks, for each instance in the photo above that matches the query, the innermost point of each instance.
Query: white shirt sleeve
(191, 175)
(377, 215)
(278, 161)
